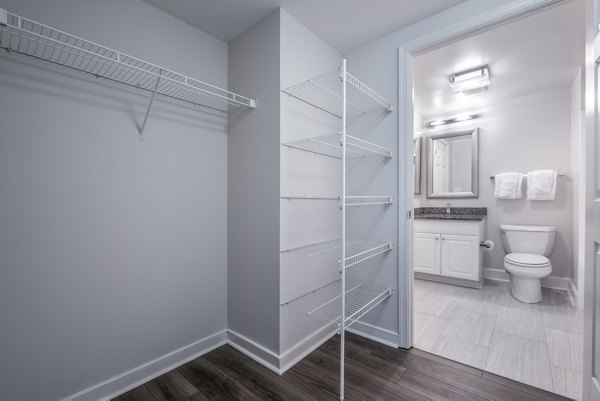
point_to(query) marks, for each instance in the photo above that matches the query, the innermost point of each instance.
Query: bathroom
(522, 115)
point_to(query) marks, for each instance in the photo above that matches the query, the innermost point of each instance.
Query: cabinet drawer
(449, 227)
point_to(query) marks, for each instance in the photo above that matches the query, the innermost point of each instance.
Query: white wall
(253, 186)
(522, 134)
(112, 251)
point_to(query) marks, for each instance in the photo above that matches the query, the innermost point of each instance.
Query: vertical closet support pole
(343, 263)
(141, 133)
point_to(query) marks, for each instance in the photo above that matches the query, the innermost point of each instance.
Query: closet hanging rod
(31, 38)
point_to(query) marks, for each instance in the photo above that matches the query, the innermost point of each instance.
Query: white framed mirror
(452, 164)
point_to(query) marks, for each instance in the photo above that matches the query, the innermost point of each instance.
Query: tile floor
(537, 344)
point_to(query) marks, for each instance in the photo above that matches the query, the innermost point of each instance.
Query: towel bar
(560, 174)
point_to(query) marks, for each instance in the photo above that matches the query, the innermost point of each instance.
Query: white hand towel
(541, 185)
(508, 186)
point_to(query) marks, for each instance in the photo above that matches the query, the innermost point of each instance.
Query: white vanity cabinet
(449, 251)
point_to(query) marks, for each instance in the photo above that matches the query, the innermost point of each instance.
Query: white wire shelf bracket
(350, 200)
(325, 93)
(357, 250)
(331, 145)
(325, 302)
(37, 40)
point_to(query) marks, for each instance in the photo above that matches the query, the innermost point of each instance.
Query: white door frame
(590, 143)
(406, 51)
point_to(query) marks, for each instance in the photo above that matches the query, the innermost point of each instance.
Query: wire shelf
(358, 250)
(350, 200)
(325, 302)
(34, 39)
(369, 200)
(331, 145)
(325, 93)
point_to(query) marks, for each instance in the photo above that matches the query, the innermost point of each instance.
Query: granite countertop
(456, 213)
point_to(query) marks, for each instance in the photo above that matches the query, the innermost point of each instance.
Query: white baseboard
(557, 283)
(574, 296)
(292, 356)
(255, 351)
(378, 334)
(126, 381)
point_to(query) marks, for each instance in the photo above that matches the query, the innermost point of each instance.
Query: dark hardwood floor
(373, 372)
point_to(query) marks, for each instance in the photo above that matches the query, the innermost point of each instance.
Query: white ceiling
(343, 24)
(534, 54)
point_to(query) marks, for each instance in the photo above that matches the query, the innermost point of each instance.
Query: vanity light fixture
(451, 120)
(470, 80)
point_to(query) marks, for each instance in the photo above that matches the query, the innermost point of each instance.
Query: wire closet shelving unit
(342, 301)
(31, 38)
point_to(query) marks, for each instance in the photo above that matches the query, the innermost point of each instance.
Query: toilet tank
(537, 240)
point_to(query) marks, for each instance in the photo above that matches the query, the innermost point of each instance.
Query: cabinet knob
(437, 238)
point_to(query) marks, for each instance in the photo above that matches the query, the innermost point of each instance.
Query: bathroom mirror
(452, 164)
(417, 166)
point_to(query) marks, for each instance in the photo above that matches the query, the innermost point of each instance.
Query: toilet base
(526, 289)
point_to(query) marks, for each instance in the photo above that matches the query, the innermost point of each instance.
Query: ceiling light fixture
(470, 80)
(451, 120)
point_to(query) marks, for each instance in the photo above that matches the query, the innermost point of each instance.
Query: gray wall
(112, 251)
(377, 62)
(253, 186)
(522, 135)
(305, 174)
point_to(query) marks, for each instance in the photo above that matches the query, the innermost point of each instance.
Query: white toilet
(527, 248)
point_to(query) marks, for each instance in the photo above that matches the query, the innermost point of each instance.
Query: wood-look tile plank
(472, 327)
(461, 351)
(520, 359)
(446, 361)
(427, 330)
(140, 393)
(171, 386)
(567, 382)
(538, 392)
(520, 323)
(561, 318)
(362, 358)
(358, 341)
(265, 384)
(363, 381)
(454, 377)
(321, 384)
(566, 349)
(214, 382)
(434, 389)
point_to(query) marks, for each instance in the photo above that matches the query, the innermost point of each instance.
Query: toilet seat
(527, 260)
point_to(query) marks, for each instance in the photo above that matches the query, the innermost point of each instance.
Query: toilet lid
(527, 259)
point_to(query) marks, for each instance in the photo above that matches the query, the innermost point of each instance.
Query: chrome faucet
(448, 208)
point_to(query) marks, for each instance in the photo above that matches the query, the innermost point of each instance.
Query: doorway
(512, 117)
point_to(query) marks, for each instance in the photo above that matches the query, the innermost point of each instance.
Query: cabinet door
(460, 256)
(426, 253)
